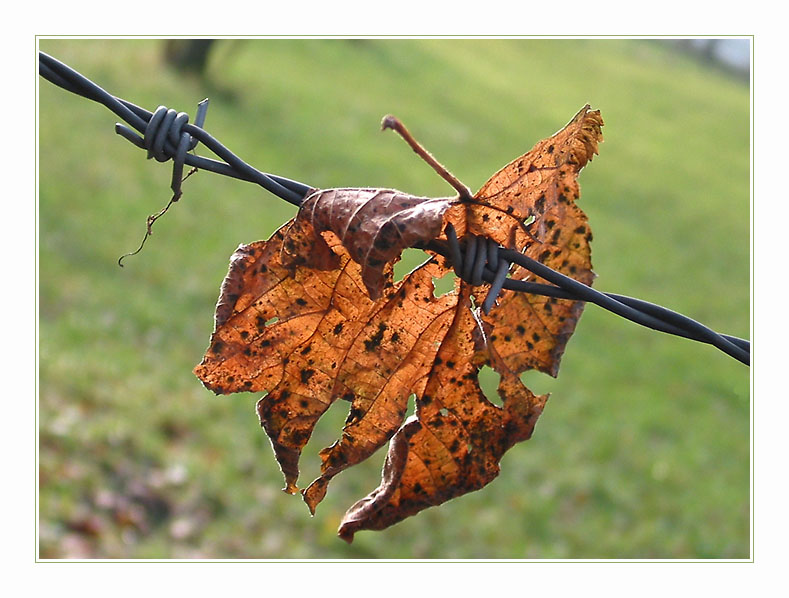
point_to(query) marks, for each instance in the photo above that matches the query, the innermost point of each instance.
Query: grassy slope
(643, 450)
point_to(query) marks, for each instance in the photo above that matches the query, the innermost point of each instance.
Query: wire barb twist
(138, 119)
(165, 138)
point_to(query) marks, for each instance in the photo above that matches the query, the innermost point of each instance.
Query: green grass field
(643, 450)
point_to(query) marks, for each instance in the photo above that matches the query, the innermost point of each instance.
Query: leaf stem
(391, 122)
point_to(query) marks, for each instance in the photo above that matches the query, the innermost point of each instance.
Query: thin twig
(390, 122)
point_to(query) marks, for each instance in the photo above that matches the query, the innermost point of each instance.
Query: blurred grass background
(643, 449)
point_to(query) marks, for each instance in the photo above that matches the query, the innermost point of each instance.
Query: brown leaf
(374, 225)
(454, 443)
(531, 331)
(310, 336)
(313, 315)
(381, 371)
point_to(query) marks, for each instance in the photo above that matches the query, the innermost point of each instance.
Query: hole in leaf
(538, 382)
(443, 411)
(271, 321)
(411, 406)
(444, 285)
(489, 382)
(410, 259)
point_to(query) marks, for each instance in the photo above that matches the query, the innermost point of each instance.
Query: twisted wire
(478, 260)
(166, 134)
(167, 125)
(139, 118)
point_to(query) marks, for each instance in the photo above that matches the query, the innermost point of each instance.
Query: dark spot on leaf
(382, 243)
(374, 341)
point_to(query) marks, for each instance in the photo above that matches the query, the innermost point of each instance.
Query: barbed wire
(166, 134)
(158, 139)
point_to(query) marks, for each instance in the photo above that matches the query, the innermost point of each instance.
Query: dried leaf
(532, 330)
(454, 443)
(313, 315)
(374, 225)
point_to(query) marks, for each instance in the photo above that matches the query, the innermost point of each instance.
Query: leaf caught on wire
(313, 315)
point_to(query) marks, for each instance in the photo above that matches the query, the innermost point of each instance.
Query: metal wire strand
(138, 119)
(166, 134)
(465, 260)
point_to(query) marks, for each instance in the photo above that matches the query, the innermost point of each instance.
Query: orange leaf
(313, 315)
(455, 441)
